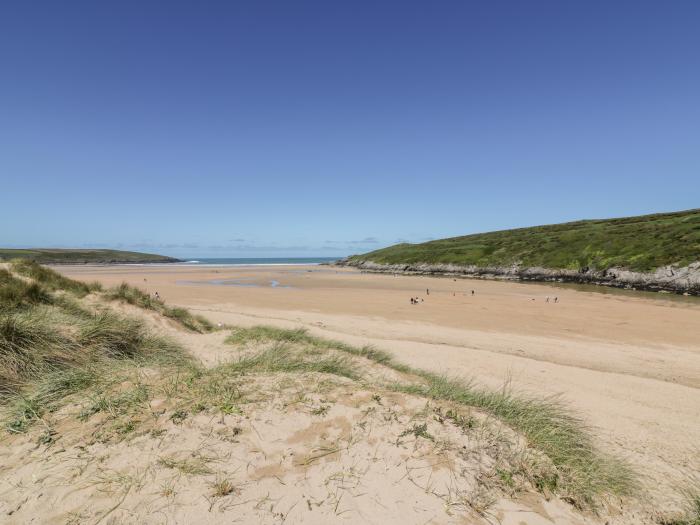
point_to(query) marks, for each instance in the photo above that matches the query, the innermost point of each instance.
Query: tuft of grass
(418, 431)
(691, 513)
(53, 349)
(585, 473)
(17, 293)
(137, 297)
(30, 346)
(196, 465)
(196, 323)
(321, 410)
(179, 416)
(28, 405)
(132, 295)
(263, 333)
(117, 404)
(113, 336)
(222, 487)
(53, 280)
(464, 423)
(167, 489)
(281, 358)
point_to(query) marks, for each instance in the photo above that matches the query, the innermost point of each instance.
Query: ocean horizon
(256, 261)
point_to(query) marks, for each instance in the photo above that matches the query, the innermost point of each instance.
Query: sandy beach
(628, 363)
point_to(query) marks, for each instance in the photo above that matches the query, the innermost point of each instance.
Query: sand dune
(630, 364)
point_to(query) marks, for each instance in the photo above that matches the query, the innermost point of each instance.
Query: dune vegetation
(690, 515)
(52, 346)
(75, 370)
(642, 243)
(137, 297)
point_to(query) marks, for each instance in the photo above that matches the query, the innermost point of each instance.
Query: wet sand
(629, 364)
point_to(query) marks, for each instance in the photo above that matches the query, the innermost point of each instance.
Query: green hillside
(641, 243)
(69, 256)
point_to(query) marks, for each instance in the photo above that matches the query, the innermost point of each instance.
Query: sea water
(257, 261)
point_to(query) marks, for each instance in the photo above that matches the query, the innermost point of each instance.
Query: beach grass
(137, 297)
(584, 473)
(17, 293)
(691, 512)
(49, 354)
(282, 358)
(263, 333)
(52, 346)
(53, 280)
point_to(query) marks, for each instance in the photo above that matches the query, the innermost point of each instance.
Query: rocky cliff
(682, 280)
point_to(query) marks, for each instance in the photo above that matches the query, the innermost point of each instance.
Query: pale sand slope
(290, 448)
(630, 364)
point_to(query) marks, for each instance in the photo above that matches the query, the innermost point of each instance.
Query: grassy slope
(65, 256)
(641, 243)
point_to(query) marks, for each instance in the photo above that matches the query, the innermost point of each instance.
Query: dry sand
(628, 363)
(283, 460)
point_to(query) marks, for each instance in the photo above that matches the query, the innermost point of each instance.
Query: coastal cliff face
(682, 280)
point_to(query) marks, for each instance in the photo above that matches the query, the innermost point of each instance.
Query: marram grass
(584, 473)
(132, 295)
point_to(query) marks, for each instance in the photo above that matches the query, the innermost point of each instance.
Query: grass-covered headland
(70, 361)
(642, 244)
(81, 256)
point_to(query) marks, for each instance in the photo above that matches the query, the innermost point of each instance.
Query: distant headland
(82, 256)
(659, 252)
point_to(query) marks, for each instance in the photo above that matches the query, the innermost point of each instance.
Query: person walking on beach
(556, 299)
(472, 293)
(427, 291)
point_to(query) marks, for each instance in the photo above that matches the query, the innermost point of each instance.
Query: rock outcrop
(681, 280)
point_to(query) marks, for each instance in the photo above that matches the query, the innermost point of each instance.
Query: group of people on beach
(417, 300)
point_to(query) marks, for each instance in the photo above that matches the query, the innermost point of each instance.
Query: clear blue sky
(327, 128)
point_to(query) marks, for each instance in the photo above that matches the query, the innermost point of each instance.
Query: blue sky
(328, 128)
